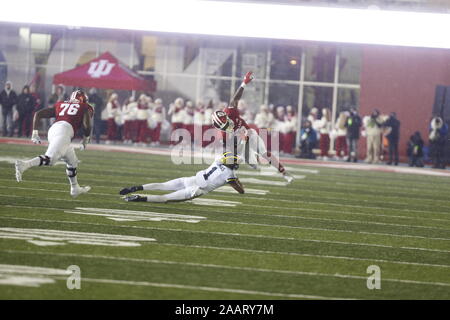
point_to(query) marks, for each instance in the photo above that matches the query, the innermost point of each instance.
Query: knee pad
(45, 160)
(71, 172)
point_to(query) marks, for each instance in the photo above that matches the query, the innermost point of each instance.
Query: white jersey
(214, 177)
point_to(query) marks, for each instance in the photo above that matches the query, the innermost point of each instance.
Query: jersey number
(206, 175)
(70, 109)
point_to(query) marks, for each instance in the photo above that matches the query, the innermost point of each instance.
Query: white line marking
(217, 266)
(228, 189)
(253, 191)
(266, 182)
(211, 289)
(269, 225)
(45, 237)
(129, 215)
(266, 173)
(241, 235)
(257, 251)
(19, 275)
(214, 202)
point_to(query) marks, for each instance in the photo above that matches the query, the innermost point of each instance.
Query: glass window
(346, 99)
(320, 63)
(316, 97)
(283, 94)
(254, 60)
(217, 62)
(253, 94)
(215, 89)
(285, 63)
(349, 64)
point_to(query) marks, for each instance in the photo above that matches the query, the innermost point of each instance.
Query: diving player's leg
(179, 195)
(172, 185)
(258, 146)
(71, 161)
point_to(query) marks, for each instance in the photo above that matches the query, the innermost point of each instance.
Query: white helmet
(222, 122)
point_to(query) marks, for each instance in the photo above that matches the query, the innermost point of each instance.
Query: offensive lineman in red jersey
(233, 126)
(70, 116)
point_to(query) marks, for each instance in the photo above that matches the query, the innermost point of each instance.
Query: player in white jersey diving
(219, 173)
(69, 116)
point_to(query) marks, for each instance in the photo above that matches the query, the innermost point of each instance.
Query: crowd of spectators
(146, 121)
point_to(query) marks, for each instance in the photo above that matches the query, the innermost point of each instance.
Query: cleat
(288, 177)
(135, 198)
(75, 192)
(20, 169)
(130, 190)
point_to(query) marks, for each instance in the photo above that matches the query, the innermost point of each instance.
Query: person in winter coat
(372, 127)
(8, 99)
(393, 136)
(438, 138)
(308, 141)
(25, 108)
(353, 125)
(97, 103)
(415, 150)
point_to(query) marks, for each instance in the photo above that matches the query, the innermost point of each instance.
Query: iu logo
(100, 68)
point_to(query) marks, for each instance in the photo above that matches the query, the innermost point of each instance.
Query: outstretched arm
(237, 185)
(87, 128)
(238, 94)
(41, 114)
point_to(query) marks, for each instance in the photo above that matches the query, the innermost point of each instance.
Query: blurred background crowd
(145, 120)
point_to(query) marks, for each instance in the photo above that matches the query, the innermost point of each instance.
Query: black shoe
(355, 160)
(135, 198)
(130, 190)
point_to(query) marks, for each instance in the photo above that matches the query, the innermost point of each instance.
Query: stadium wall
(403, 80)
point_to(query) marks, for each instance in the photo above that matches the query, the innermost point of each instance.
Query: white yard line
(217, 266)
(212, 289)
(265, 251)
(211, 202)
(265, 225)
(261, 236)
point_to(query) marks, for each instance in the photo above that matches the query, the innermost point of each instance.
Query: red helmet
(221, 121)
(79, 96)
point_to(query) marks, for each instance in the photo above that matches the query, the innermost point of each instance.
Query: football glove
(85, 142)
(247, 78)
(35, 137)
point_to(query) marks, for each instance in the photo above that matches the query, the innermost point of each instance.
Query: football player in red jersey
(237, 133)
(70, 116)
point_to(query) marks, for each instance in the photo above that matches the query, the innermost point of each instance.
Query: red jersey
(72, 113)
(233, 114)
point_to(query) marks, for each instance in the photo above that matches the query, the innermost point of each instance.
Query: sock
(33, 162)
(274, 162)
(72, 175)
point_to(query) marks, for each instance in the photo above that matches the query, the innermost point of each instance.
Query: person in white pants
(219, 173)
(70, 116)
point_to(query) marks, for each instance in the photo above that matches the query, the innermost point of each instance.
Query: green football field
(313, 239)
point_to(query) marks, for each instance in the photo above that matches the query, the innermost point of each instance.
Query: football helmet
(230, 160)
(222, 122)
(79, 96)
